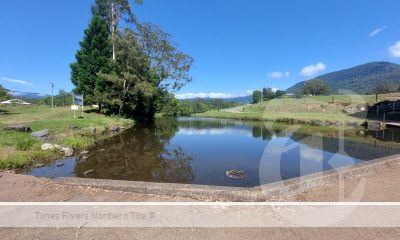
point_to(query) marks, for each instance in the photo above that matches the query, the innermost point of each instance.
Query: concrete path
(20, 188)
(383, 186)
(380, 186)
(202, 233)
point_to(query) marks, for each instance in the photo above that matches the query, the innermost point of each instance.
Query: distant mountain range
(360, 79)
(239, 100)
(25, 95)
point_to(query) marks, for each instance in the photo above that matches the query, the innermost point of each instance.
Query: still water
(200, 151)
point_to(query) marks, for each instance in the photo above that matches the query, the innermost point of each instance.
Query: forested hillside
(361, 79)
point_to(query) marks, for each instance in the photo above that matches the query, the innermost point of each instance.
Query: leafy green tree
(147, 67)
(171, 106)
(112, 11)
(129, 82)
(147, 64)
(268, 94)
(4, 95)
(170, 65)
(257, 95)
(91, 59)
(280, 93)
(63, 98)
(316, 87)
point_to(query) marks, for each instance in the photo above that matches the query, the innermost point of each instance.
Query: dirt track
(382, 186)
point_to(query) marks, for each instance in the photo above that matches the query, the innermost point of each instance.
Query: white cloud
(395, 50)
(21, 82)
(313, 69)
(278, 75)
(311, 154)
(377, 31)
(211, 95)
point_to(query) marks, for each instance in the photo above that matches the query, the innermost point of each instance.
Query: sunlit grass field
(18, 149)
(319, 108)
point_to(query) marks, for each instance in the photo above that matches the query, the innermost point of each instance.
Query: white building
(15, 102)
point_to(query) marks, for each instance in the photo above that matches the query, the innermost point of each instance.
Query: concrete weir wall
(262, 193)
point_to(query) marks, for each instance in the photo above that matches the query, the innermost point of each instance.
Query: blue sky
(237, 45)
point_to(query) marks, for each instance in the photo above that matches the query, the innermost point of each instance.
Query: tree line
(128, 72)
(188, 107)
(314, 87)
(266, 94)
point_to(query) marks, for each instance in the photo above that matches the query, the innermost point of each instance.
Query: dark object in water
(60, 164)
(235, 174)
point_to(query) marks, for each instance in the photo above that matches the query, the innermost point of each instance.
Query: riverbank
(20, 149)
(317, 111)
(290, 118)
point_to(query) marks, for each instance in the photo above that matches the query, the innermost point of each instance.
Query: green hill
(360, 79)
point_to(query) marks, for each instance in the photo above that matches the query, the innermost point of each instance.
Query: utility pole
(52, 94)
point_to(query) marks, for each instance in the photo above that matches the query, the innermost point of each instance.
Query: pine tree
(92, 58)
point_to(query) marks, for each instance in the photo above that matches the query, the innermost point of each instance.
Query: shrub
(25, 144)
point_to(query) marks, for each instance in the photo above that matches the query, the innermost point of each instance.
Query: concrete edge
(283, 189)
(292, 187)
(196, 192)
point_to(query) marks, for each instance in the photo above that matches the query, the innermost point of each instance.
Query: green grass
(320, 108)
(20, 149)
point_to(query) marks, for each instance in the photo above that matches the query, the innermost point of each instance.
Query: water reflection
(193, 150)
(143, 153)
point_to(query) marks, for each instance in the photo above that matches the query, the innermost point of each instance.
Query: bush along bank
(22, 149)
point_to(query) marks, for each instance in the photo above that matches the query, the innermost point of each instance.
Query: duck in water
(235, 174)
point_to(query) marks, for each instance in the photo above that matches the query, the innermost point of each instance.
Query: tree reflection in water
(142, 153)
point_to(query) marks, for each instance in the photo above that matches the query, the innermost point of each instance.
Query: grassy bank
(19, 149)
(321, 108)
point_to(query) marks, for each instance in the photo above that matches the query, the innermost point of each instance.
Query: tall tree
(93, 57)
(257, 95)
(268, 94)
(146, 68)
(112, 11)
(4, 95)
(170, 65)
(316, 87)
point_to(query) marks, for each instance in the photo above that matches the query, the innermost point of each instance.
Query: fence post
(377, 111)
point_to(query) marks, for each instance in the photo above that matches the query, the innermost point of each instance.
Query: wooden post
(383, 134)
(82, 105)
